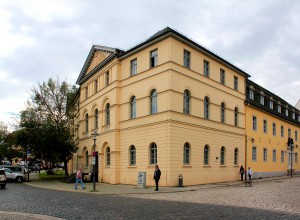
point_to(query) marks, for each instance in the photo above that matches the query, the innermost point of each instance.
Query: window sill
(130, 167)
(206, 166)
(235, 165)
(187, 166)
(223, 166)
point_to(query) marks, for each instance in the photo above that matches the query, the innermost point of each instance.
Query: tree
(47, 122)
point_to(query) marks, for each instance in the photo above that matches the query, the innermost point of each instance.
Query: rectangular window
(96, 85)
(293, 115)
(86, 92)
(106, 78)
(262, 100)
(236, 83)
(282, 156)
(222, 76)
(206, 68)
(271, 104)
(265, 155)
(254, 123)
(133, 67)
(296, 135)
(265, 126)
(153, 58)
(289, 132)
(251, 95)
(282, 131)
(274, 156)
(299, 118)
(254, 154)
(287, 112)
(279, 108)
(187, 59)
(274, 129)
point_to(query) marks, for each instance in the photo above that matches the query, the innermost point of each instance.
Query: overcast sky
(40, 39)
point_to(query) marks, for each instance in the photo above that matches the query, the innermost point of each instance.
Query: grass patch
(94, 190)
(58, 175)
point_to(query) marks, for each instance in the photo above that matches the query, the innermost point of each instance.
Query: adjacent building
(270, 121)
(168, 101)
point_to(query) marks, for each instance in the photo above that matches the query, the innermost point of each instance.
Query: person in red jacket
(156, 176)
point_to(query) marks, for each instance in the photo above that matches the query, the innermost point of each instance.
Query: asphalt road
(72, 205)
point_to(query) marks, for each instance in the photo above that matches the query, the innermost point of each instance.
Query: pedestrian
(250, 173)
(156, 176)
(242, 171)
(79, 179)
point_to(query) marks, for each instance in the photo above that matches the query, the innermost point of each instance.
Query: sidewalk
(119, 189)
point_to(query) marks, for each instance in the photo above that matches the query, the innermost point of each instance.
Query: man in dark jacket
(156, 176)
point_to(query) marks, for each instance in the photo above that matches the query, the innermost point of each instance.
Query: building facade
(270, 121)
(167, 101)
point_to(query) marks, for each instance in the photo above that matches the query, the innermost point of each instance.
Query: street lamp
(290, 144)
(246, 157)
(95, 134)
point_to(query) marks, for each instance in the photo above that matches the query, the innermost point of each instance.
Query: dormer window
(251, 95)
(293, 115)
(262, 100)
(279, 108)
(286, 112)
(271, 104)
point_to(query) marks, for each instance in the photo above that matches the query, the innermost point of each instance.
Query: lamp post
(95, 134)
(246, 157)
(290, 144)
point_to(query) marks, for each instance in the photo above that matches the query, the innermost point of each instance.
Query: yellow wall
(170, 129)
(270, 142)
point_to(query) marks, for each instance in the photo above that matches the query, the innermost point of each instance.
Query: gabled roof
(83, 74)
(160, 35)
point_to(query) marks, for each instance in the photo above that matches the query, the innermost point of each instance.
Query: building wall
(270, 142)
(169, 129)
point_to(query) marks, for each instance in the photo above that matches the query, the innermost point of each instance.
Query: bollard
(180, 180)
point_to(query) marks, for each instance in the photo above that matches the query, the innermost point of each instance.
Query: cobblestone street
(281, 195)
(267, 199)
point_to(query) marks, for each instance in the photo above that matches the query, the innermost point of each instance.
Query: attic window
(153, 58)
(106, 78)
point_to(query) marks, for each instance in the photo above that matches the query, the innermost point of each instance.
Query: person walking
(250, 173)
(156, 176)
(79, 179)
(242, 171)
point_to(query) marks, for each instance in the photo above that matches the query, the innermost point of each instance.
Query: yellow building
(167, 101)
(270, 121)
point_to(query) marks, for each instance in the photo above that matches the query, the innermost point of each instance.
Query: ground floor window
(153, 154)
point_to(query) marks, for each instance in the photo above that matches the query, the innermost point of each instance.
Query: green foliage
(45, 125)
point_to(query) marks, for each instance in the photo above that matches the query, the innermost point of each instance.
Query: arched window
(236, 156)
(186, 153)
(153, 153)
(86, 122)
(236, 116)
(86, 157)
(96, 118)
(132, 154)
(133, 107)
(222, 156)
(206, 108)
(223, 108)
(153, 102)
(206, 155)
(107, 156)
(186, 102)
(107, 114)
